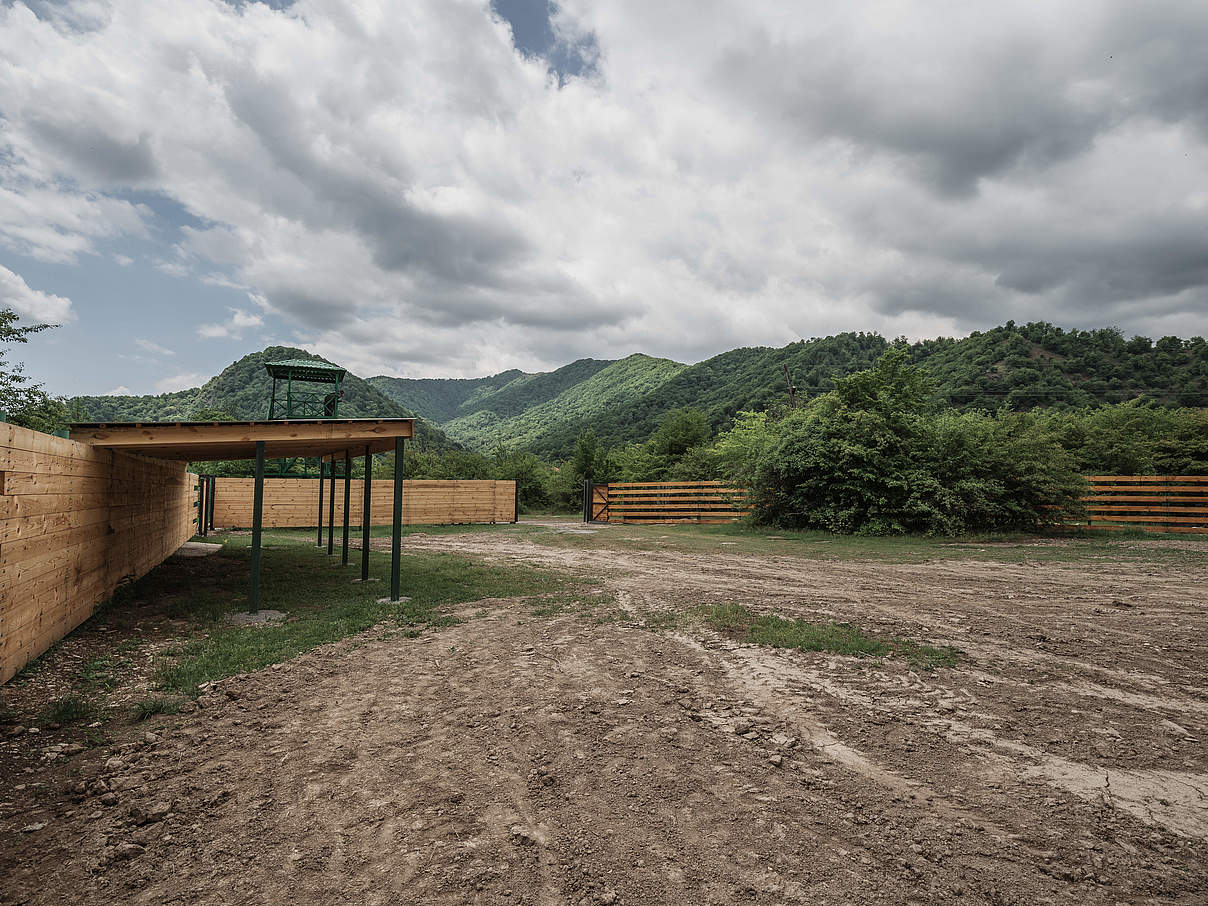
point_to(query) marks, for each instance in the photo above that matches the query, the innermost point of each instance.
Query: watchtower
(311, 389)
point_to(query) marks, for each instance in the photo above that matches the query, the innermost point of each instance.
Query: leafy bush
(876, 456)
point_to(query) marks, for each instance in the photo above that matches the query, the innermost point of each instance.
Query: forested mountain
(439, 399)
(506, 394)
(1020, 367)
(550, 426)
(242, 391)
(1042, 365)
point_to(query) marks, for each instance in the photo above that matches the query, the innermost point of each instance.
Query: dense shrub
(876, 456)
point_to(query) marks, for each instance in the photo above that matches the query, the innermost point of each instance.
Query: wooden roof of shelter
(201, 441)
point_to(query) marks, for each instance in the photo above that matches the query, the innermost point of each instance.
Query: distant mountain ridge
(1020, 367)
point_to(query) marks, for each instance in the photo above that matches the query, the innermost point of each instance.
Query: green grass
(102, 672)
(320, 599)
(155, 704)
(773, 631)
(69, 709)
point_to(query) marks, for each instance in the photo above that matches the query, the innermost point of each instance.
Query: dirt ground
(595, 756)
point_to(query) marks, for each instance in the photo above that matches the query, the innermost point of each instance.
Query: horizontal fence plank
(622, 485)
(1149, 478)
(1175, 510)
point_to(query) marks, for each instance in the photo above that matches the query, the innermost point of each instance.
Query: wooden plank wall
(294, 502)
(674, 501)
(75, 522)
(1152, 503)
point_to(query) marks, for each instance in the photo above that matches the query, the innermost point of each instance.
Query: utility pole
(792, 390)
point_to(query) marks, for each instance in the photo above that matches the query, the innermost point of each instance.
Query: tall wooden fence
(654, 502)
(294, 502)
(75, 522)
(1152, 503)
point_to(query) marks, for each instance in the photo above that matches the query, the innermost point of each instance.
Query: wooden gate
(598, 503)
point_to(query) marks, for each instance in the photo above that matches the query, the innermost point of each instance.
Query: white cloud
(184, 381)
(233, 327)
(154, 348)
(411, 193)
(120, 390)
(33, 306)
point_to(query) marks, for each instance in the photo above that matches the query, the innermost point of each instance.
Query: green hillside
(540, 428)
(506, 394)
(439, 399)
(242, 391)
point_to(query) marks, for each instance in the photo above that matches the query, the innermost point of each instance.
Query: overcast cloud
(400, 188)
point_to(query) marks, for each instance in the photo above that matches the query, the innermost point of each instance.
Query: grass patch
(69, 709)
(322, 602)
(773, 631)
(99, 672)
(155, 704)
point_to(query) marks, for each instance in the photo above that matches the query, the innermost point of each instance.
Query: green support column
(396, 535)
(331, 510)
(365, 516)
(322, 475)
(347, 501)
(257, 513)
(201, 505)
(210, 500)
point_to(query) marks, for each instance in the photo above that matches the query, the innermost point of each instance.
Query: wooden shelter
(330, 440)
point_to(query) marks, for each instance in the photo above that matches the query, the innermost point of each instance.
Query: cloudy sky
(455, 187)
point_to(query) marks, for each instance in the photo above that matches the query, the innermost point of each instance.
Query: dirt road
(588, 756)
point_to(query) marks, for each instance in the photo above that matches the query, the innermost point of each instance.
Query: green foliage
(680, 431)
(1132, 439)
(1041, 365)
(875, 456)
(69, 709)
(151, 705)
(736, 451)
(25, 402)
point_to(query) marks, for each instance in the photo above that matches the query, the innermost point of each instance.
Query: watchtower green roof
(314, 370)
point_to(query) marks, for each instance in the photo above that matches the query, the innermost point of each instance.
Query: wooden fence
(294, 502)
(1152, 503)
(653, 502)
(75, 523)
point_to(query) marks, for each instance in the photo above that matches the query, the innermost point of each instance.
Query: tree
(25, 402)
(680, 431)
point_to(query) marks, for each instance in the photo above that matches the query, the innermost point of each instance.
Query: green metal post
(347, 500)
(201, 505)
(319, 520)
(365, 516)
(257, 521)
(396, 529)
(331, 509)
(210, 500)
